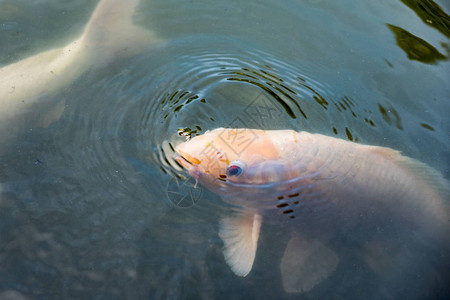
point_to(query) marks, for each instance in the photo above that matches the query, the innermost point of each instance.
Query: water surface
(93, 206)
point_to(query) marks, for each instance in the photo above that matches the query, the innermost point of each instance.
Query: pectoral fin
(305, 264)
(240, 235)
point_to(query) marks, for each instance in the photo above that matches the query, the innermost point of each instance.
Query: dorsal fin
(240, 234)
(425, 173)
(112, 13)
(431, 210)
(111, 26)
(419, 170)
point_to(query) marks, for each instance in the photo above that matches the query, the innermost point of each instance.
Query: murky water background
(92, 205)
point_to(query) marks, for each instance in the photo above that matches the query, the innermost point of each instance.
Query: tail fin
(110, 33)
(111, 28)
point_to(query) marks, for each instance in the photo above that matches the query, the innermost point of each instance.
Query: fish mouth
(183, 162)
(189, 163)
(186, 160)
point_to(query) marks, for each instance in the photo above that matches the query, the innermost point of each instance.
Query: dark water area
(92, 204)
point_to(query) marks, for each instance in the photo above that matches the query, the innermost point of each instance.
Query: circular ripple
(194, 85)
(221, 85)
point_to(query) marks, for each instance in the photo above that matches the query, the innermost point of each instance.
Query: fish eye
(235, 168)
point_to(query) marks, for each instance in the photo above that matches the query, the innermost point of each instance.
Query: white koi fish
(109, 34)
(322, 184)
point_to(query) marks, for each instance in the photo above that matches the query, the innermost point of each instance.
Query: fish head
(226, 159)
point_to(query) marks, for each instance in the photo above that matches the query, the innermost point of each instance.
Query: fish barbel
(321, 183)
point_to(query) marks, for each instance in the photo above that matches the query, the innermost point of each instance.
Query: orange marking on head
(189, 158)
(225, 160)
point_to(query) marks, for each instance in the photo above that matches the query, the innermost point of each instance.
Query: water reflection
(391, 116)
(415, 47)
(431, 14)
(426, 126)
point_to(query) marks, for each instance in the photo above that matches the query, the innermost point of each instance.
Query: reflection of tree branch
(431, 14)
(414, 47)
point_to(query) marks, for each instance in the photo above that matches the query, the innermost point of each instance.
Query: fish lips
(189, 163)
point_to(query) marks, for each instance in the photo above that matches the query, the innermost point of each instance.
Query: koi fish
(109, 34)
(322, 184)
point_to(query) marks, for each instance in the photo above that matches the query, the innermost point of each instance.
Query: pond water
(93, 206)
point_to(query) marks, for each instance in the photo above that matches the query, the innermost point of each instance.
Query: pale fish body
(109, 34)
(321, 183)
